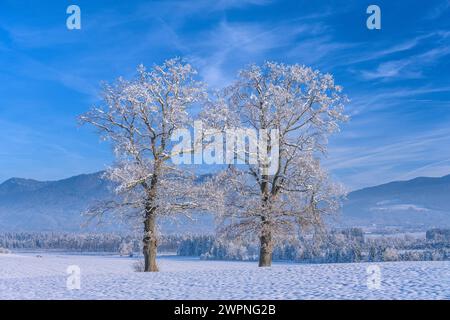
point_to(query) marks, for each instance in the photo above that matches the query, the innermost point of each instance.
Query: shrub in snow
(390, 255)
(139, 265)
(438, 255)
(126, 249)
(4, 251)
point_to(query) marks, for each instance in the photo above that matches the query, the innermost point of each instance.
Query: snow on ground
(112, 277)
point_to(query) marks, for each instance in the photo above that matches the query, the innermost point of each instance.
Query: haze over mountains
(30, 205)
(422, 202)
(56, 206)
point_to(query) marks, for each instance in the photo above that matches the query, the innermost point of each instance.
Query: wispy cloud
(217, 51)
(409, 66)
(404, 157)
(392, 69)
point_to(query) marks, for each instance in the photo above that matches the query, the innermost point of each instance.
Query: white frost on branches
(139, 117)
(305, 106)
(301, 105)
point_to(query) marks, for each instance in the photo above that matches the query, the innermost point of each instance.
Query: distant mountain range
(54, 206)
(418, 203)
(30, 205)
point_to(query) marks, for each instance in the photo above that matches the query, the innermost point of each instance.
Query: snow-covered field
(112, 277)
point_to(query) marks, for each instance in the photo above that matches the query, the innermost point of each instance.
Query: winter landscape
(227, 150)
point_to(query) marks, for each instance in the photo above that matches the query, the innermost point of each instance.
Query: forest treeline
(76, 242)
(333, 247)
(350, 245)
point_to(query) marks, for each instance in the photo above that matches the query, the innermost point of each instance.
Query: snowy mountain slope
(49, 206)
(29, 205)
(106, 277)
(420, 202)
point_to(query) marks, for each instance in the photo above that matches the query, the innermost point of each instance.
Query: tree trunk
(150, 238)
(265, 239)
(150, 244)
(266, 248)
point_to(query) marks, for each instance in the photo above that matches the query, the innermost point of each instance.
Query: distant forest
(336, 246)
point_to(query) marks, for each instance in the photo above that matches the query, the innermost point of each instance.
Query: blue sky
(397, 78)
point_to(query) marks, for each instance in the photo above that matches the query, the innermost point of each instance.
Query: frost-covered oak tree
(303, 106)
(138, 117)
